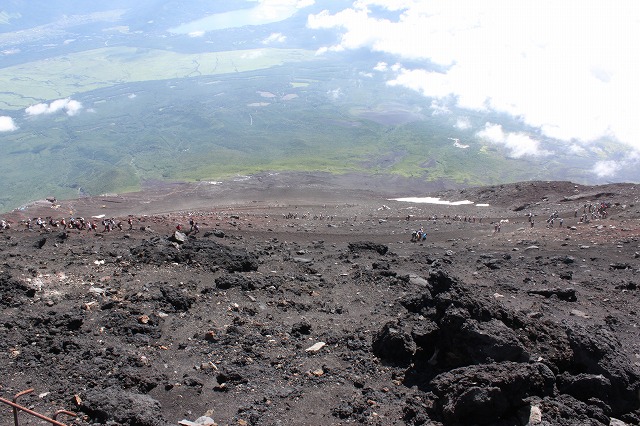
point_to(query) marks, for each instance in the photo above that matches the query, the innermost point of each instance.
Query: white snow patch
(434, 200)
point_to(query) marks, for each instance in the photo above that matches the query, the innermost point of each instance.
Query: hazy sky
(569, 68)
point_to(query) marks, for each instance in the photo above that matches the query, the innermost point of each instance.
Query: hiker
(130, 222)
(418, 235)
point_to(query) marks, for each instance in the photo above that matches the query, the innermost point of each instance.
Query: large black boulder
(368, 246)
(116, 406)
(196, 252)
(490, 393)
(393, 344)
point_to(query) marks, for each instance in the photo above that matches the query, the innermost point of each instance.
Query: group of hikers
(94, 224)
(418, 235)
(79, 223)
(589, 212)
(308, 215)
(593, 211)
(555, 216)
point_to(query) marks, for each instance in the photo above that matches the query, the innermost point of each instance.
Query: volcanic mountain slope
(304, 304)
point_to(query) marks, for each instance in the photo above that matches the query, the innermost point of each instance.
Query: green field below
(62, 76)
(153, 115)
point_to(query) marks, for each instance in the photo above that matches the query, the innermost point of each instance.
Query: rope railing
(17, 408)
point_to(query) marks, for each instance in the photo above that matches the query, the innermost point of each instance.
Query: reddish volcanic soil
(302, 301)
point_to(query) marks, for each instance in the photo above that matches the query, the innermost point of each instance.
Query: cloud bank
(518, 144)
(7, 124)
(67, 105)
(275, 38)
(566, 68)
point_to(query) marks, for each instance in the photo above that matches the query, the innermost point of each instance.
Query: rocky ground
(303, 301)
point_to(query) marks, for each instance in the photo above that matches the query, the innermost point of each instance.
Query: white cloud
(57, 105)
(566, 68)
(275, 38)
(70, 106)
(37, 109)
(7, 124)
(196, 34)
(439, 109)
(462, 123)
(606, 168)
(518, 144)
(73, 107)
(577, 149)
(335, 94)
(522, 145)
(611, 168)
(10, 51)
(381, 66)
(492, 133)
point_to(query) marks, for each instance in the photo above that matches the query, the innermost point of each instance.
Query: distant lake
(258, 15)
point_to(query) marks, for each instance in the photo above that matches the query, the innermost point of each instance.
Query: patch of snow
(432, 200)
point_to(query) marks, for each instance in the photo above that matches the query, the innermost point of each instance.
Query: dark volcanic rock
(228, 281)
(487, 394)
(129, 409)
(596, 351)
(480, 342)
(568, 294)
(301, 328)
(393, 344)
(13, 292)
(268, 319)
(177, 298)
(564, 410)
(200, 252)
(585, 386)
(368, 246)
(41, 242)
